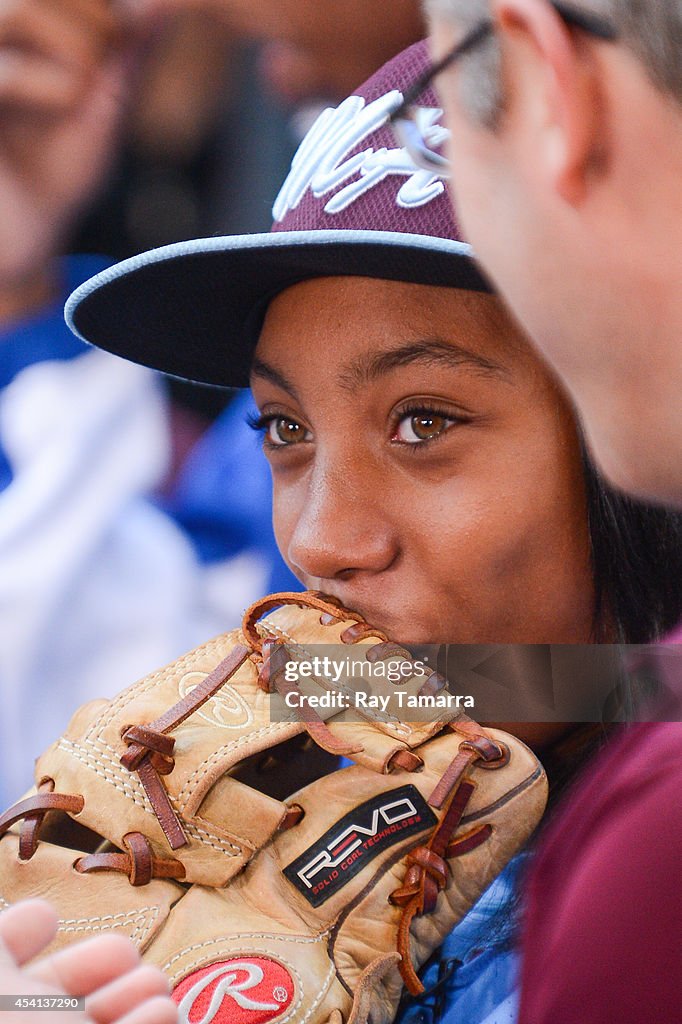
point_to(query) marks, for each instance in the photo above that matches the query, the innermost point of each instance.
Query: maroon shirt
(603, 934)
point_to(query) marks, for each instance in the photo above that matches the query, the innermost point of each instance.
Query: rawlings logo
(356, 839)
(245, 990)
(322, 163)
(226, 709)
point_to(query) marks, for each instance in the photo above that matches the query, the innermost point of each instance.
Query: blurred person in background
(313, 49)
(99, 582)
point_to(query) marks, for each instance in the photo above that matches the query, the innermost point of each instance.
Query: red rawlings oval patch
(242, 990)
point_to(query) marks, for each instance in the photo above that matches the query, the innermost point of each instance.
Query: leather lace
(150, 751)
(427, 871)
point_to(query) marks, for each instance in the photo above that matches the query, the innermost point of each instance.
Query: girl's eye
(420, 426)
(281, 431)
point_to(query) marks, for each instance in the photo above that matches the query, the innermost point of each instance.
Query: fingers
(86, 966)
(106, 969)
(126, 994)
(33, 85)
(50, 50)
(25, 930)
(66, 31)
(161, 1010)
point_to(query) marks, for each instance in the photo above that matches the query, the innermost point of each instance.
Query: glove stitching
(323, 992)
(112, 777)
(137, 794)
(114, 780)
(245, 845)
(218, 754)
(191, 828)
(161, 676)
(300, 940)
(122, 920)
(376, 716)
(138, 934)
(129, 915)
(131, 787)
(103, 752)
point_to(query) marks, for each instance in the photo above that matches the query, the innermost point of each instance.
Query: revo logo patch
(356, 839)
(242, 990)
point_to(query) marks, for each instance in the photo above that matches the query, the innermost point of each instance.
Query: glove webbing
(31, 812)
(331, 611)
(150, 750)
(150, 755)
(272, 677)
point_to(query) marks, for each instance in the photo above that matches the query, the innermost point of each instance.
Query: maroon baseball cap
(353, 203)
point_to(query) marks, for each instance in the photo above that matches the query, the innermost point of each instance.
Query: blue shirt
(476, 964)
(44, 335)
(223, 497)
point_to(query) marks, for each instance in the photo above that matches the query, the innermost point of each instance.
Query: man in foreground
(567, 152)
(572, 167)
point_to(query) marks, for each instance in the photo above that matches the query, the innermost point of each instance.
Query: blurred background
(134, 509)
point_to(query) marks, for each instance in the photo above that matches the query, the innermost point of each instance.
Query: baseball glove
(182, 814)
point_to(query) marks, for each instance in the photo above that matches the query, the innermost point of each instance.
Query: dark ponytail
(637, 562)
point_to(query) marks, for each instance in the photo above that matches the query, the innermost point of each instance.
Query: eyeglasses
(406, 122)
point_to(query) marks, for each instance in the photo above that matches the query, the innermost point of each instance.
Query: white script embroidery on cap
(320, 163)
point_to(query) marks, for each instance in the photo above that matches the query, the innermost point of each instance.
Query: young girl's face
(426, 468)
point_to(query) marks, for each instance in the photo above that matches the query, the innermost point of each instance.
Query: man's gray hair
(652, 29)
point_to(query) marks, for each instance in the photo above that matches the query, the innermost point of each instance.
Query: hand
(320, 50)
(106, 970)
(62, 90)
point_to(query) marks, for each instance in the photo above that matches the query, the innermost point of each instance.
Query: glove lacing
(150, 751)
(150, 755)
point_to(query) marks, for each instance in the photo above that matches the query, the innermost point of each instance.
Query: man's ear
(552, 93)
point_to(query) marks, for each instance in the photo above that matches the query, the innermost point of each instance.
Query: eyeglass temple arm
(585, 20)
(476, 36)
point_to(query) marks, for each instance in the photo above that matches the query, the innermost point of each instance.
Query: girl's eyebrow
(371, 365)
(429, 351)
(263, 370)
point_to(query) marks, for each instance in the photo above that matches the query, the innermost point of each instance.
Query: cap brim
(195, 309)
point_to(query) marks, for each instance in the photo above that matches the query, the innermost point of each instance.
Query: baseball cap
(353, 203)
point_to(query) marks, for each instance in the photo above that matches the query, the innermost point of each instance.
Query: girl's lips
(399, 631)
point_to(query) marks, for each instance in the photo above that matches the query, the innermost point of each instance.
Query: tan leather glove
(155, 814)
